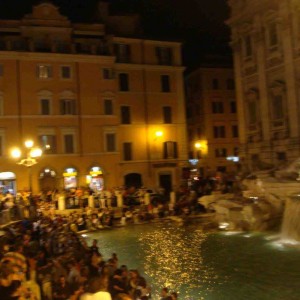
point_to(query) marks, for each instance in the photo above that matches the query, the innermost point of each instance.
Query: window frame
(48, 71)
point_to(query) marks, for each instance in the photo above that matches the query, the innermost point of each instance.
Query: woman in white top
(97, 289)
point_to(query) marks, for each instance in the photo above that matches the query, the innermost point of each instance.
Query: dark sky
(199, 24)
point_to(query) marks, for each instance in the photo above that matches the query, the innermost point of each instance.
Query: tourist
(61, 290)
(94, 248)
(97, 289)
(117, 285)
(164, 294)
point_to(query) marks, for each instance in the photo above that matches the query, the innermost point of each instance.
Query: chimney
(103, 10)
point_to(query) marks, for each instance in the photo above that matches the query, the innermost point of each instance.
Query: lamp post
(201, 151)
(31, 153)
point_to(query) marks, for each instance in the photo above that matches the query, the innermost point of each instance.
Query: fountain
(290, 229)
(268, 202)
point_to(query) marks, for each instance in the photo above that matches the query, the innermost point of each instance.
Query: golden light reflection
(174, 260)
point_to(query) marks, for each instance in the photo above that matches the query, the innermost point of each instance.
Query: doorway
(133, 180)
(165, 182)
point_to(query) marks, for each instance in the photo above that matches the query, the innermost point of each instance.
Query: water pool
(209, 266)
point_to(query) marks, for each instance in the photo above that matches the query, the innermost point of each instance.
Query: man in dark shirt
(62, 290)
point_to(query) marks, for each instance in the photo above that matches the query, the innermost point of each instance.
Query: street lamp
(31, 153)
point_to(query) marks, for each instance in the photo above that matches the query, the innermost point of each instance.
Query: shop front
(70, 178)
(48, 180)
(7, 183)
(95, 179)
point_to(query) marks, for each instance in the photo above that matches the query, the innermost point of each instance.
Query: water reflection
(201, 265)
(173, 257)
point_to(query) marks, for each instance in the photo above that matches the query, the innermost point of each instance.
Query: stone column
(172, 197)
(61, 202)
(119, 199)
(91, 202)
(147, 198)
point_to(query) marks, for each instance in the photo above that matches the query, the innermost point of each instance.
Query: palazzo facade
(265, 37)
(106, 108)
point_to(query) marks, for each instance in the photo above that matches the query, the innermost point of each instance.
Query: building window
(215, 84)
(221, 152)
(167, 114)
(170, 150)
(219, 132)
(273, 35)
(107, 73)
(108, 107)
(123, 82)
(1, 104)
(165, 83)
(110, 142)
(233, 107)
(235, 131)
(127, 151)
(164, 55)
(66, 72)
(125, 115)
(252, 108)
(248, 46)
(236, 151)
(45, 106)
(230, 84)
(277, 107)
(281, 156)
(252, 115)
(44, 71)
(48, 143)
(69, 143)
(217, 107)
(122, 52)
(67, 107)
(1, 144)
(221, 169)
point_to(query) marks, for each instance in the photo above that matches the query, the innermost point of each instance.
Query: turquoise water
(210, 266)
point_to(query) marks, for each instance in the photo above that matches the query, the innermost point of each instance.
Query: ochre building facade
(106, 110)
(213, 139)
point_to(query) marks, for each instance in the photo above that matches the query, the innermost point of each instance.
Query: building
(107, 108)
(212, 120)
(266, 41)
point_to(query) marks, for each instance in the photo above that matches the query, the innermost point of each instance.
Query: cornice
(56, 57)
(149, 67)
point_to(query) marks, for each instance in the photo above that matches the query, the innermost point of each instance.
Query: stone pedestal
(91, 202)
(119, 200)
(61, 202)
(147, 199)
(172, 198)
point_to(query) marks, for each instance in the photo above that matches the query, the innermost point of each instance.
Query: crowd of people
(45, 259)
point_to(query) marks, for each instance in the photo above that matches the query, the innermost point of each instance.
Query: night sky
(199, 24)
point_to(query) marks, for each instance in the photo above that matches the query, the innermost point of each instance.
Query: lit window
(44, 71)
(48, 143)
